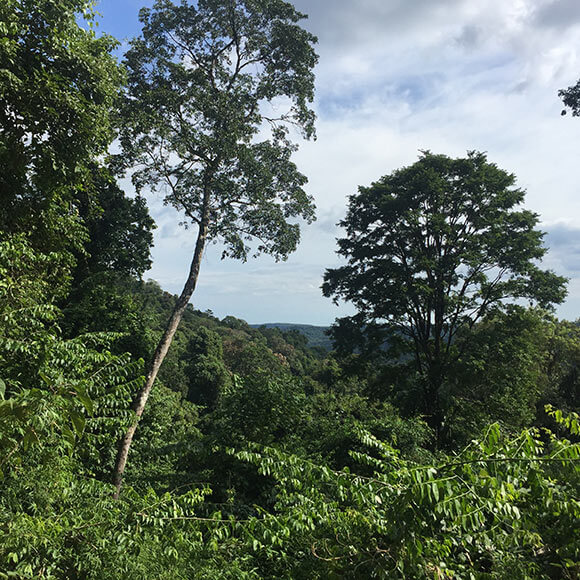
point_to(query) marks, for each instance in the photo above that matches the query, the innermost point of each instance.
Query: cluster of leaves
(52, 387)
(504, 505)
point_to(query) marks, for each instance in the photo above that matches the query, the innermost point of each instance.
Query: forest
(437, 437)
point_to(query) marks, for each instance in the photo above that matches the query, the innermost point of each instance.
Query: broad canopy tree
(215, 90)
(432, 249)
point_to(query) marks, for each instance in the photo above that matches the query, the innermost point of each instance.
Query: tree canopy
(202, 81)
(119, 227)
(58, 84)
(432, 249)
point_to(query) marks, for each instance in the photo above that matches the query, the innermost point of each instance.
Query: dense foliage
(58, 85)
(257, 456)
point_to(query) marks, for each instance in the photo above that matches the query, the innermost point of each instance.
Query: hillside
(316, 335)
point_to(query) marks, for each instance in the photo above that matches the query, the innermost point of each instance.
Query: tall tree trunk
(435, 413)
(161, 350)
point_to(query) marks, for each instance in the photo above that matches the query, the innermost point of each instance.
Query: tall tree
(213, 91)
(432, 249)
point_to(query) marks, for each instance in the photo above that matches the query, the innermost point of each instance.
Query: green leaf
(69, 436)
(78, 422)
(86, 401)
(30, 438)
(436, 491)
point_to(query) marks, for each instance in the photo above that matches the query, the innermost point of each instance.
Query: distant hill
(315, 334)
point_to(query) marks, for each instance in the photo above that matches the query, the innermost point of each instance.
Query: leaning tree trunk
(160, 352)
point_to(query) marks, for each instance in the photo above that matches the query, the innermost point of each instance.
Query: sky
(396, 77)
